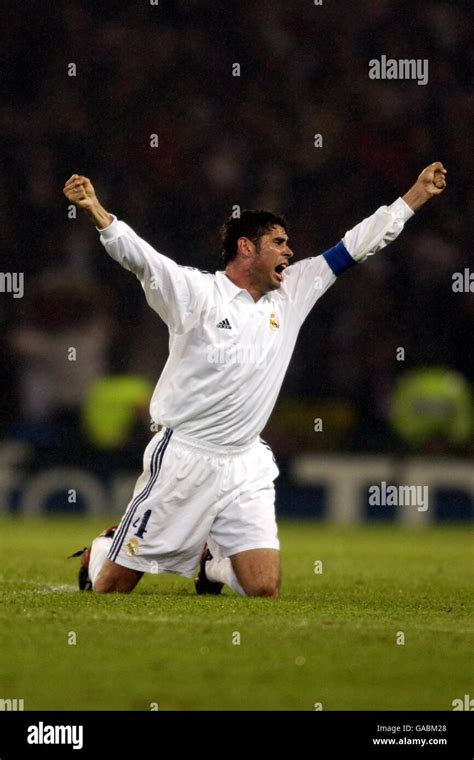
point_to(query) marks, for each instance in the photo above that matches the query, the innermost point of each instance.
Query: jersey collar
(229, 291)
(227, 288)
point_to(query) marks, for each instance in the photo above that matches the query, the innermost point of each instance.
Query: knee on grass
(268, 589)
(111, 587)
(116, 579)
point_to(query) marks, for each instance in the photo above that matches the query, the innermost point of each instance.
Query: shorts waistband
(213, 448)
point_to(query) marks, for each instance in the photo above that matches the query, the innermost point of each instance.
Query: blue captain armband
(339, 259)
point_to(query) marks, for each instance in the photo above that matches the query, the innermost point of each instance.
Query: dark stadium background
(225, 140)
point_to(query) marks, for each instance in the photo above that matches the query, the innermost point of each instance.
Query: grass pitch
(331, 638)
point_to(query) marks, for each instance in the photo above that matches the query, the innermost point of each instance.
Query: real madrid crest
(274, 323)
(131, 550)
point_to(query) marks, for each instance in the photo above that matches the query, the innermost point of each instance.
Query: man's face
(271, 255)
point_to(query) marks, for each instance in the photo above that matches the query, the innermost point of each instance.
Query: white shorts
(189, 491)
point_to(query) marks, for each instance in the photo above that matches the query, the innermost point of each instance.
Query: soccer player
(206, 494)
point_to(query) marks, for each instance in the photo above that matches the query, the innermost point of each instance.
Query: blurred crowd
(166, 69)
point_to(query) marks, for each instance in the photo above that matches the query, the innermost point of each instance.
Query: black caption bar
(127, 734)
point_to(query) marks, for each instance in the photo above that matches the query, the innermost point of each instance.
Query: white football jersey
(228, 354)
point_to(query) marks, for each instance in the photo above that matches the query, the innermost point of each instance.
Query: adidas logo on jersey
(225, 324)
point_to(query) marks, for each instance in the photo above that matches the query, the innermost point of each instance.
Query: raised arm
(380, 229)
(175, 292)
(308, 279)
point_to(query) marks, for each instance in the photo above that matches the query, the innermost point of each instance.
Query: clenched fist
(433, 179)
(80, 191)
(431, 182)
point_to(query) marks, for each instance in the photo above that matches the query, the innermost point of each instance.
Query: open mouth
(280, 268)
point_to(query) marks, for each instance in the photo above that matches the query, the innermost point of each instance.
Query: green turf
(330, 638)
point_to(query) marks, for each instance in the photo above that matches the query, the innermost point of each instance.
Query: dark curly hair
(251, 224)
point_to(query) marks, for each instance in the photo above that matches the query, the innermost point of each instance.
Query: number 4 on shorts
(142, 529)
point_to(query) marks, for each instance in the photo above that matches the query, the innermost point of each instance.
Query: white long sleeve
(377, 231)
(307, 280)
(175, 292)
